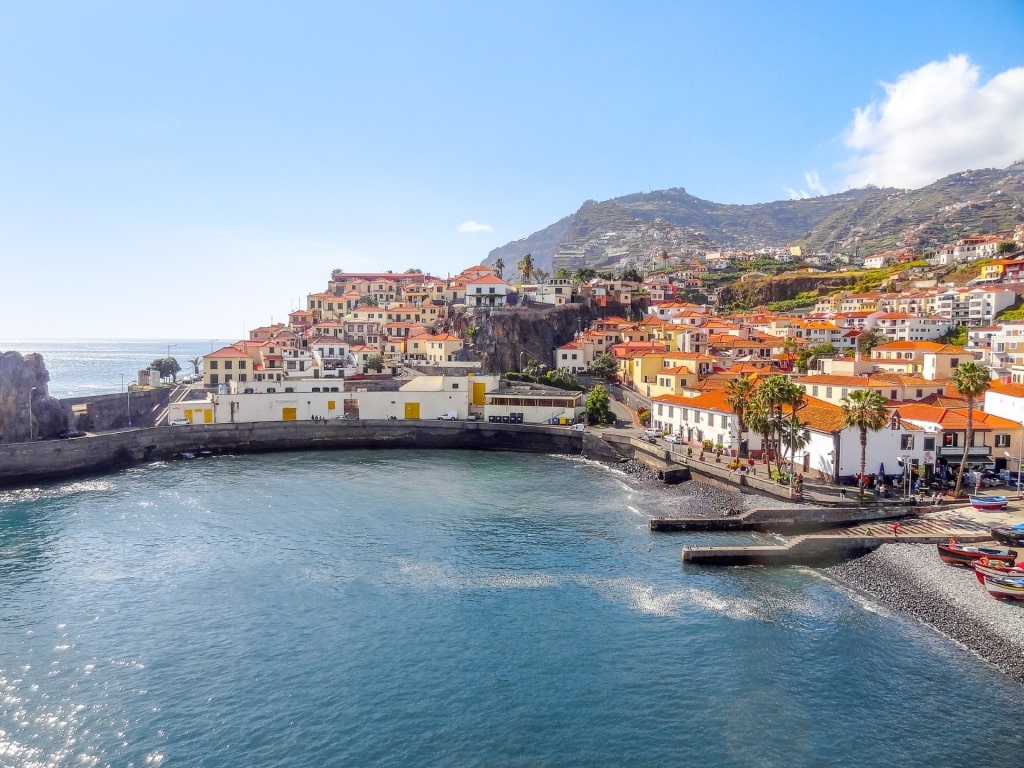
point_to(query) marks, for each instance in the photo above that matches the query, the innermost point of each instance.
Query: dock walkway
(841, 543)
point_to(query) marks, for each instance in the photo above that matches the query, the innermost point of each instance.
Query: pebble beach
(907, 578)
(911, 579)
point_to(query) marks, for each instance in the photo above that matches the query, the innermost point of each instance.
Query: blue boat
(989, 502)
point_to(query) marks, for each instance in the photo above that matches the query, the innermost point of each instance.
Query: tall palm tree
(795, 436)
(499, 265)
(525, 267)
(738, 396)
(970, 379)
(867, 411)
(757, 417)
(779, 393)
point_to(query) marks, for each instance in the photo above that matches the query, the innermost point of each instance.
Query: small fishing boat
(989, 502)
(984, 567)
(1012, 535)
(1005, 589)
(954, 553)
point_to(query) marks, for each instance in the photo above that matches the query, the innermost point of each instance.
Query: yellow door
(208, 416)
(288, 414)
(188, 414)
(412, 410)
(479, 393)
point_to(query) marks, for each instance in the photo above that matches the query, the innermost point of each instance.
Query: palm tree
(778, 393)
(794, 435)
(970, 379)
(195, 362)
(867, 411)
(525, 267)
(738, 396)
(499, 265)
(757, 417)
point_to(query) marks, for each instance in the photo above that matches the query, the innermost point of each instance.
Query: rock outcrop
(26, 409)
(503, 337)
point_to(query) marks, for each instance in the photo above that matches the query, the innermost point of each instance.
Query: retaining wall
(24, 463)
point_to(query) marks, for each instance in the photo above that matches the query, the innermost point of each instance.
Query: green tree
(584, 275)
(631, 274)
(870, 339)
(525, 267)
(375, 362)
(794, 435)
(499, 265)
(739, 393)
(604, 365)
(167, 366)
(368, 301)
(563, 273)
(808, 357)
(864, 410)
(971, 380)
(599, 409)
(1007, 247)
(778, 393)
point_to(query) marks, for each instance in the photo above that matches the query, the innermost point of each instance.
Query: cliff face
(25, 400)
(503, 335)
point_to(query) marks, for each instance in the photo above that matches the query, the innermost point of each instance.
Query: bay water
(434, 608)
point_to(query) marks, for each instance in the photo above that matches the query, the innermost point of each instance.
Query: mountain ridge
(860, 221)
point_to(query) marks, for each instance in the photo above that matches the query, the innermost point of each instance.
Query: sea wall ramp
(24, 463)
(804, 517)
(840, 544)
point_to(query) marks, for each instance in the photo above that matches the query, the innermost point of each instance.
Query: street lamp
(129, 391)
(521, 353)
(31, 420)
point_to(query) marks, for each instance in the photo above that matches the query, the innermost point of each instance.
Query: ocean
(433, 608)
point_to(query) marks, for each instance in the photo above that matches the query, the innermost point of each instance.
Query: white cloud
(813, 182)
(472, 226)
(934, 121)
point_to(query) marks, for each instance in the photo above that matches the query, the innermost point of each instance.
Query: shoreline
(910, 579)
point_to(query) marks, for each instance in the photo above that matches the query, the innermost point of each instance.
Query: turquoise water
(401, 608)
(82, 367)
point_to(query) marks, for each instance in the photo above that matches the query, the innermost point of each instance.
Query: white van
(449, 416)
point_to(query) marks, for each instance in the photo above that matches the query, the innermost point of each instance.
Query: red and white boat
(1005, 589)
(983, 567)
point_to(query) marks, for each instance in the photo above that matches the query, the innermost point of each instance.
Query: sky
(195, 169)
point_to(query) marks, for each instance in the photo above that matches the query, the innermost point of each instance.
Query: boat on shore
(984, 567)
(989, 502)
(1013, 535)
(954, 553)
(1005, 589)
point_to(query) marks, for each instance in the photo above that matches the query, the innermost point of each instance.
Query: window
(227, 365)
(920, 393)
(949, 440)
(929, 443)
(954, 362)
(892, 394)
(1002, 441)
(828, 393)
(906, 442)
(213, 365)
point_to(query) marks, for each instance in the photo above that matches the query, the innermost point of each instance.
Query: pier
(845, 542)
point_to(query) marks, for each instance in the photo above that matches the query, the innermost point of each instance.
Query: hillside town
(387, 346)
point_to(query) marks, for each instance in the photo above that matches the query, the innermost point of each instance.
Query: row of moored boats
(995, 567)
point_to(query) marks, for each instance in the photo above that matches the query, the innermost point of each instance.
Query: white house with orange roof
(900, 326)
(442, 349)
(227, 364)
(488, 290)
(331, 357)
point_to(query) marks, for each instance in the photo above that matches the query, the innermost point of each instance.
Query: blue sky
(194, 169)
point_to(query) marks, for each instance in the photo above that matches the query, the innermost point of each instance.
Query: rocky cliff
(504, 337)
(26, 408)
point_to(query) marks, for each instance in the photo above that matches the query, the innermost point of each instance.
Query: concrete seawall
(24, 463)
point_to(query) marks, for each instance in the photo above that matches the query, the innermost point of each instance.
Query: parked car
(673, 438)
(179, 422)
(65, 434)
(449, 416)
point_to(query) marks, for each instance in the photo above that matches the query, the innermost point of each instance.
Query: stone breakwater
(911, 579)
